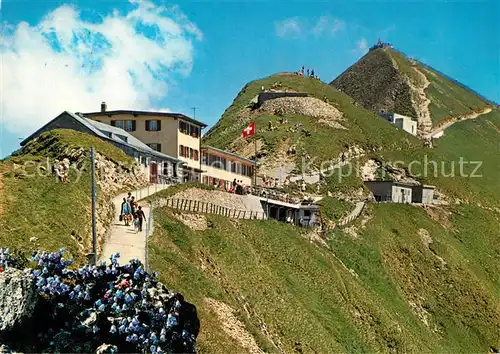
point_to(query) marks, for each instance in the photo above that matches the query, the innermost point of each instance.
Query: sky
(162, 56)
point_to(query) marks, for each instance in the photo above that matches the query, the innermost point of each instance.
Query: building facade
(390, 191)
(154, 164)
(423, 194)
(221, 168)
(402, 122)
(172, 134)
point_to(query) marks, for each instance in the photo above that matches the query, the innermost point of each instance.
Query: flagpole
(255, 156)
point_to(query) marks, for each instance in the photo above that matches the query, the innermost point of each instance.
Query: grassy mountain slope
(389, 289)
(382, 81)
(363, 127)
(35, 204)
(473, 141)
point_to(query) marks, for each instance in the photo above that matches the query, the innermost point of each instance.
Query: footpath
(124, 239)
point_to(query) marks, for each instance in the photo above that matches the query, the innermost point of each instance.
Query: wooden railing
(211, 208)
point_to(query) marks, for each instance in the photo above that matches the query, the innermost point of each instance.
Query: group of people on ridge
(307, 72)
(131, 211)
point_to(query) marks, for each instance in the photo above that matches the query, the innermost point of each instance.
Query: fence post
(190, 205)
(177, 206)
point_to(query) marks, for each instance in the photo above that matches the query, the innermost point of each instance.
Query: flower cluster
(122, 306)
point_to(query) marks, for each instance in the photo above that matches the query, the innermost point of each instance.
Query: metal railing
(211, 208)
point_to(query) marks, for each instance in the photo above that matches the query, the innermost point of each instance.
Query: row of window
(217, 182)
(189, 129)
(226, 165)
(130, 125)
(189, 153)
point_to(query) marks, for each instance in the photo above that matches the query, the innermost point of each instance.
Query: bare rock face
(307, 106)
(18, 299)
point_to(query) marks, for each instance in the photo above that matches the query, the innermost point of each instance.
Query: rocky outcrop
(377, 85)
(18, 299)
(306, 106)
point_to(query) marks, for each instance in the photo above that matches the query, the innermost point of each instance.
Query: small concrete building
(390, 191)
(423, 194)
(402, 122)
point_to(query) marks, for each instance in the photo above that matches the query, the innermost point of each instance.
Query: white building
(402, 122)
(390, 191)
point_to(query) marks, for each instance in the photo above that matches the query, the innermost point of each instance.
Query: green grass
(473, 141)
(35, 204)
(364, 128)
(449, 99)
(304, 293)
(334, 209)
(50, 144)
(459, 297)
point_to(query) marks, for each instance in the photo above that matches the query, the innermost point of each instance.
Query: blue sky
(223, 45)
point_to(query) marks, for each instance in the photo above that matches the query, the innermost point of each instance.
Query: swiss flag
(250, 130)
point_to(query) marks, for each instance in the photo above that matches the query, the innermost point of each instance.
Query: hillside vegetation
(405, 283)
(383, 79)
(41, 212)
(363, 128)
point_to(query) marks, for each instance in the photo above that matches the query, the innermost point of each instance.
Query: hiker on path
(133, 206)
(141, 217)
(129, 197)
(126, 212)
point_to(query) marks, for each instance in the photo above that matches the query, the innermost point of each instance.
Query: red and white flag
(250, 130)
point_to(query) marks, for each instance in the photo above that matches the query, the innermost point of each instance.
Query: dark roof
(392, 182)
(206, 147)
(107, 132)
(146, 113)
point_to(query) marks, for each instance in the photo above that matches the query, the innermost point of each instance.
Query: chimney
(103, 107)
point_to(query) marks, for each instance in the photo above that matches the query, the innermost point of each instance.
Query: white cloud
(298, 26)
(362, 45)
(288, 28)
(328, 25)
(67, 63)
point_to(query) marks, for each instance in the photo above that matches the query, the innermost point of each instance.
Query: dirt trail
(452, 120)
(421, 102)
(233, 326)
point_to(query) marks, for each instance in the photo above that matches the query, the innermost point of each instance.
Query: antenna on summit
(194, 111)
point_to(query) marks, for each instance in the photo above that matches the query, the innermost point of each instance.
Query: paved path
(124, 239)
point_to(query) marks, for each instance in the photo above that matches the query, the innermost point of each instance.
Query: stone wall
(306, 106)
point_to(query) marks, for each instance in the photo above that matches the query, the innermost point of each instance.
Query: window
(117, 123)
(189, 129)
(187, 152)
(153, 125)
(155, 146)
(129, 125)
